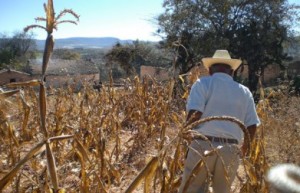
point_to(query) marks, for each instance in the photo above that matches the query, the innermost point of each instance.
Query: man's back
(219, 95)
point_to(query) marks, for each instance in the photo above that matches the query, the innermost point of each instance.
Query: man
(218, 95)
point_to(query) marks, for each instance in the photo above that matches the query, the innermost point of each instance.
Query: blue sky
(124, 19)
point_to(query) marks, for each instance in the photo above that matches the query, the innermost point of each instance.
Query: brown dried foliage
(118, 139)
(124, 138)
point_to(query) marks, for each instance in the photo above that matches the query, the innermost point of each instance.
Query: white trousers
(221, 165)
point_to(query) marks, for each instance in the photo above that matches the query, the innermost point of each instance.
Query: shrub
(295, 84)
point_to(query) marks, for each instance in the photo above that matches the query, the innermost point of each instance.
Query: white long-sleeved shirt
(220, 95)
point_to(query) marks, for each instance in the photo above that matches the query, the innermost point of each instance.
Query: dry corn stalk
(134, 108)
(255, 166)
(51, 24)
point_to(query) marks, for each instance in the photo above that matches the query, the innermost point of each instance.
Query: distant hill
(83, 42)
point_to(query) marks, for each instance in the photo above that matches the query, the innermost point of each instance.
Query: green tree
(130, 57)
(251, 30)
(15, 51)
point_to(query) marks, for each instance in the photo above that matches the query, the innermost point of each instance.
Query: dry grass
(110, 139)
(283, 128)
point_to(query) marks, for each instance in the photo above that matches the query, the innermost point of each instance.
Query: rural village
(107, 115)
(63, 72)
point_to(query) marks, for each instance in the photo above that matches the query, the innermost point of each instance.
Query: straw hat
(221, 56)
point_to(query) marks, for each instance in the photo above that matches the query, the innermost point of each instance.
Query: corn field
(123, 140)
(129, 139)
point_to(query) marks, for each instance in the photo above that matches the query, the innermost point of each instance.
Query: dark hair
(221, 67)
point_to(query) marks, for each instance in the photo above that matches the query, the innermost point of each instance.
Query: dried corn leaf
(61, 190)
(185, 94)
(257, 151)
(7, 94)
(181, 78)
(51, 167)
(250, 172)
(23, 84)
(12, 173)
(84, 179)
(148, 170)
(62, 137)
(82, 150)
(26, 109)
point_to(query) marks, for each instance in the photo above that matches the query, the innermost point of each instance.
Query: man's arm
(248, 139)
(193, 116)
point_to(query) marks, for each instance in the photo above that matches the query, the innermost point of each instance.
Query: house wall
(13, 76)
(271, 73)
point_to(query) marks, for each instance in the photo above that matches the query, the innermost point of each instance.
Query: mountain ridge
(83, 42)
